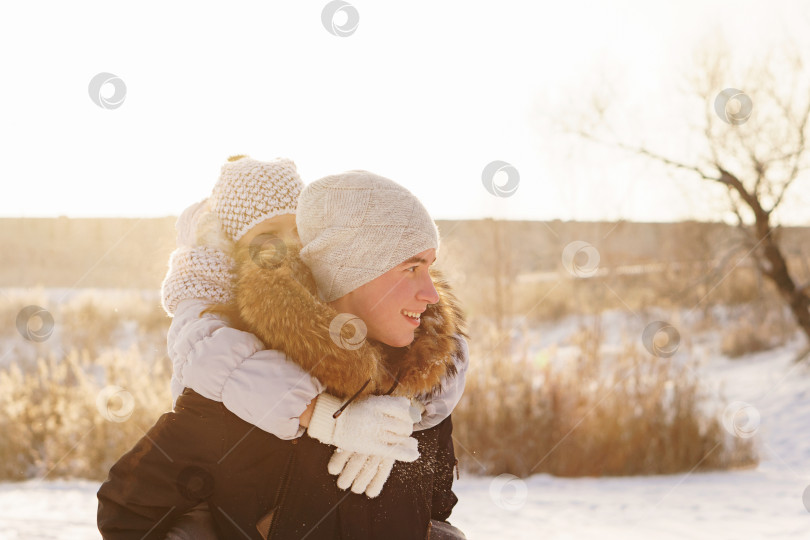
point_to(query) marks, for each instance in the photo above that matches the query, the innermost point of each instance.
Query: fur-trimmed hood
(278, 302)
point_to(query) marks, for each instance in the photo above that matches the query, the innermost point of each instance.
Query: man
(369, 245)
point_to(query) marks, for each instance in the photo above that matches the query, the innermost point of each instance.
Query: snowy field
(763, 503)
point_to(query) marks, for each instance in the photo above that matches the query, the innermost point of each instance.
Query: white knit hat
(250, 191)
(356, 226)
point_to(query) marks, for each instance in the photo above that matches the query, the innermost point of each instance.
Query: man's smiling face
(390, 304)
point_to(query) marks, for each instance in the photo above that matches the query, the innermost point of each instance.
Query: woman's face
(387, 303)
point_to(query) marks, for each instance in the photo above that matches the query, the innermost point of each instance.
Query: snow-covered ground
(766, 502)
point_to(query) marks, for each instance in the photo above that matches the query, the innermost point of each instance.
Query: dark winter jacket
(203, 452)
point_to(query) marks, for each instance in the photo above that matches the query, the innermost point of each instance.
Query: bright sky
(426, 93)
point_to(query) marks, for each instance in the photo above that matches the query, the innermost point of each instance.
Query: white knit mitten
(187, 223)
(209, 233)
(376, 425)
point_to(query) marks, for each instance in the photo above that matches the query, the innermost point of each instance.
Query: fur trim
(280, 305)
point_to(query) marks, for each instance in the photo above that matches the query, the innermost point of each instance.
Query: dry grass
(759, 329)
(58, 420)
(56, 417)
(601, 414)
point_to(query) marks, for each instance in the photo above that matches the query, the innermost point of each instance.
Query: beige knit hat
(250, 191)
(356, 226)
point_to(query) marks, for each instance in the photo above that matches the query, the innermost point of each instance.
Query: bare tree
(754, 143)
